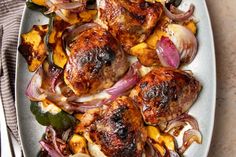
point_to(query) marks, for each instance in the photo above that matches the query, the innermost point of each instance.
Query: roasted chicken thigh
(129, 21)
(96, 61)
(116, 131)
(165, 93)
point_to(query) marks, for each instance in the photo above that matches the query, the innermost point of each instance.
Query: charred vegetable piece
(38, 5)
(146, 55)
(162, 140)
(47, 113)
(159, 31)
(32, 46)
(54, 42)
(39, 2)
(78, 144)
(192, 26)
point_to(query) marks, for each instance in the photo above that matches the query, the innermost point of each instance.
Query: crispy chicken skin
(117, 130)
(96, 62)
(129, 21)
(165, 93)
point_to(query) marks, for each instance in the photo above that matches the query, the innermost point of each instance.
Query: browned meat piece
(165, 93)
(96, 62)
(130, 22)
(117, 131)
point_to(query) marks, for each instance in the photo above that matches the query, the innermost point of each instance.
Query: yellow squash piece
(78, 144)
(138, 47)
(146, 55)
(160, 149)
(88, 15)
(73, 18)
(55, 40)
(159, 31)
(79, 116)
(192, 26)
(48, 106)
(39, 2)
(32, 46)
(160, 139)
(155, 37)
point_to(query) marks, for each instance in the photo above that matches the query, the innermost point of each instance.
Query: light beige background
(223, 17)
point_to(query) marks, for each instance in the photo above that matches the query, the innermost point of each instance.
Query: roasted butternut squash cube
(78, 144)
(39, 2)
(155, 37)
(88, 15)
(145, 55)
(161, 138)
(192, 26)
(32, 46)
(160, 149)
(55, 40)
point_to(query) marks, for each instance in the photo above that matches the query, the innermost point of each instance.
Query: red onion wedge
(50, 77)
(57, 5)
(173, 125)
(66, 134)
(190, 136)
(33, 91)
(70, 105)
(85, 106)
(50, 149)
(189, 119)
(126, 83)
(168, 53)
(181, 121)
(182, 16)
(42, 81)
(53, 136)
(52, 8)
(184, 40)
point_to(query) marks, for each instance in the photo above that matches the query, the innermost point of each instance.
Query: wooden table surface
(223, 17)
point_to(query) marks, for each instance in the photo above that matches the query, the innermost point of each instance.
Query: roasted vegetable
(145, 51)
(78, 144)
(74, 18)
(38, 5)
(32, 46)
(162, 140)
(159, 31)
(47, 113)
(191, 25)
(55, 42)
(145, 54)
(39, 2)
